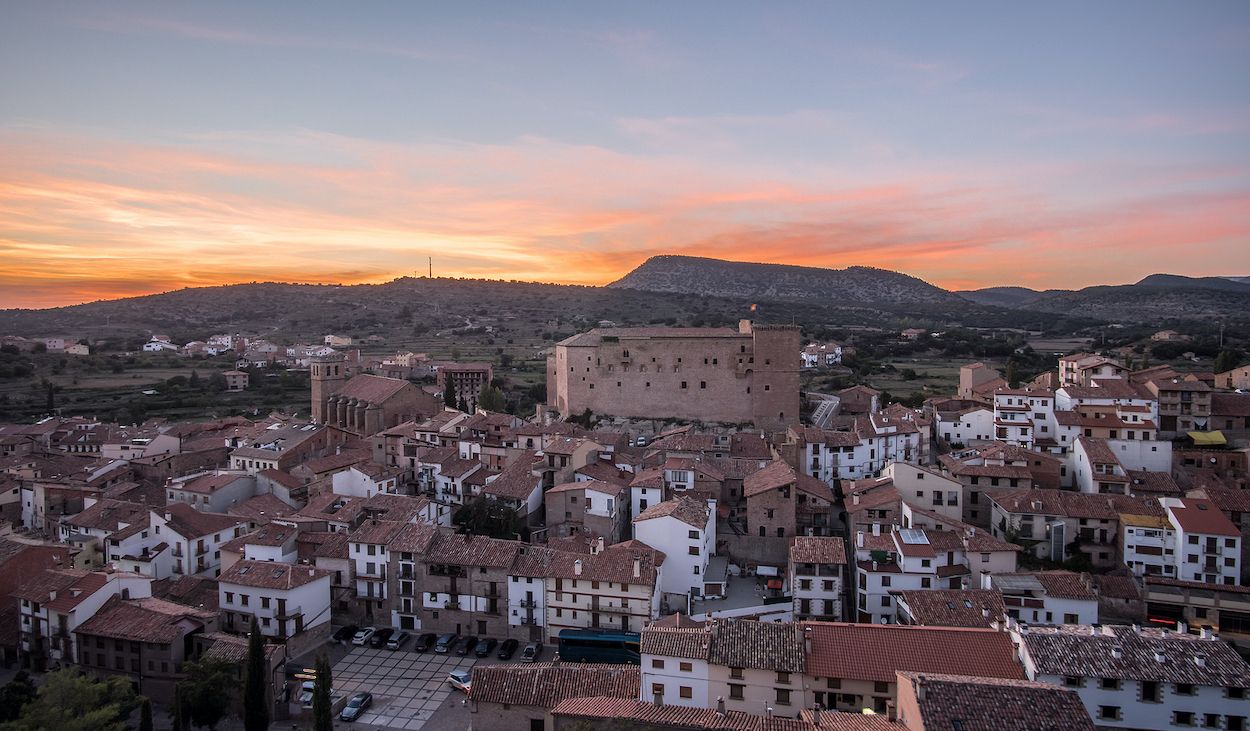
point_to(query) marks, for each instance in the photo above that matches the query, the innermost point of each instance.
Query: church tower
(329, 373)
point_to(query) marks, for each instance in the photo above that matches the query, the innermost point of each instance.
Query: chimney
(874, 565)
(720, 705)
(855, 499)
(637, 567)
(1117, 652)
(1159, 656)
(599, 545)
(985, 612)
(1136, 628)
(918, 686)
(876, 529)
(807, 639)
(859, 539)
(1182, 628)
(1206, 633)
(1201, 660)
(577, 567)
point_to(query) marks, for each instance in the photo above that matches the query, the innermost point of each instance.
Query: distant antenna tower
(431, 267)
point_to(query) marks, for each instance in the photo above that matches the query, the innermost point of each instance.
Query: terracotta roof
(208, 484)
(817, 550)
(874, 652)
(274, 534)
(1117, 587)
(688, 642)
(517, 480)
(636, 713)
(188, 522)
(995, 704)
(1087, 651)
(142, 620)
(1227, 499)
(743, 643)
(814, 487)
(545, 685)
(615, 563)
(694, 513)
(464, 549)
(1073, 504)
(413, 538)
(1152, 482)
(954, 607)
(270, 575)
(261, 508)
(606, 472)
(192, 591)
(389, 506)
(677, 620)
(336, 462)
(1230, 404)
(232, 648)
(1203, 516)
(374, 389)
(777, 474)
(321, 544)
(108, 515)
(379, 532)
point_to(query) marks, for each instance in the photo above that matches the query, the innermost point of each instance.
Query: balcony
(529, 620)
(529, 603)
(611, 609)
(377, 574)
(452, 604)
(288, 613)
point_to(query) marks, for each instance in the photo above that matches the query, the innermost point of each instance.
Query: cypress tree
(145, 715)
(255, 704)
(323, 716)
(449, 393)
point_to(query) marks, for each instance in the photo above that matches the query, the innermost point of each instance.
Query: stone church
(364, 404)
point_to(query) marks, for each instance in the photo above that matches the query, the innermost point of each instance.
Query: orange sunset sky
(145, 148)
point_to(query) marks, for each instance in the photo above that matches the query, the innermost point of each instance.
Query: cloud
(84, 217)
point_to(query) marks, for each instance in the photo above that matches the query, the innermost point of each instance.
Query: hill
(1001, 296)
(749, 281)
(1157, 298)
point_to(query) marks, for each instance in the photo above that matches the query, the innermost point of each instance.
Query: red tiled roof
(188, 522)
(270, 575)
(374, 389)
(818, 550)
(142, 620)
(777, 474)
(874, 652)
(1203, 516)
(545, 685)
(688, 510)
(995, 704)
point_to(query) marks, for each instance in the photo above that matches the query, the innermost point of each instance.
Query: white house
(365, 480)
(194, 537)
(285, 599)
(1141, 678)
(1045, 597)
(684, 530)
(965, 427)
(159, 346)
(1208, 545)
(817, 578)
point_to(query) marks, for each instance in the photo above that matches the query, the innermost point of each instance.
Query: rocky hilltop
(743, 280)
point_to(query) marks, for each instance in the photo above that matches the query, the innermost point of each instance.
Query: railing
(530, 603)
(611, 609)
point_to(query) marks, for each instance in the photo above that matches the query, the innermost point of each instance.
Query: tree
(1227, 360)
(206, 691)
(177, 714)
(491, 398)
(51, 397)
(505, 360)
(485, 516)
(449, 393)
(323, 716)
(1013, 380)
(15, 695)
(72, 701)
(462, 405)
(194, 381)
(255, 702)
(145, 715)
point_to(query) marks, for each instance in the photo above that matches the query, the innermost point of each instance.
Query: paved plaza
(407, 687)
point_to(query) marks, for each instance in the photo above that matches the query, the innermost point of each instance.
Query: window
(1182, 718)
(1109, 713)
(693, 550)
(683, 384)
(880, 687)
(1210, 720)
(735, 691)
(1184, 689)
(783, 697)
(1150, 692)
(735, 673)
(657, 664)
(692, 535)
(1073, 681)
(1109, 683)
(686, 667)
(264, 602)
(783, 678)
(684, 691)
(657, 689)
(1235, 692)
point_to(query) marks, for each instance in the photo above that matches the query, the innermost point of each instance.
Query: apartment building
(285, 599)
(1081, 369)
(1141, 678)
(616, 588)
(744, 375)
(461, 582)
(1054, 523)
(194, 537)
(1184, 405)
(1046, 597)
(466, 379)
(818, 576)
(684, 530)
(588, 507)
(1208, 545)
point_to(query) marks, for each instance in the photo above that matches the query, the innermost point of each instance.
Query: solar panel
(913, 536)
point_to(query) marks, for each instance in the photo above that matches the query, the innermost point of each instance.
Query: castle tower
(329, 373)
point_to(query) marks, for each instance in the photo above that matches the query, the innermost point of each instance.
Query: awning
(1208, 438)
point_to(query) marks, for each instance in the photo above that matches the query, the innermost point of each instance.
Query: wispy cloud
(84, 217)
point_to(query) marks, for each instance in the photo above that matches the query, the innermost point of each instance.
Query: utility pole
(431, 267)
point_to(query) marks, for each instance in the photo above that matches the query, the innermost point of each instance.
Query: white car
(459, 679)
(363, 636)
(306, 692)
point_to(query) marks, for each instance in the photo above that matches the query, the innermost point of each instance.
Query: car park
(398, 640)
(356, 706)
(532, 652)
(460, 680)
(362, 636)
(380, 637)
(507, 649)
(466, 645)
(446, 643)
(485, 646)
(343, 634)
(425, 642)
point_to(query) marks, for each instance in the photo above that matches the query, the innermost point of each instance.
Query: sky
(146, 147)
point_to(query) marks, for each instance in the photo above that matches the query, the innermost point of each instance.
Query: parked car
(397, 640)
(467, 645)
(380, 637)
(306, 692)
(507, 649)
(532, 652)
(459, 679)
(356, 706)
(446, 643)
(343, 634)
(362, 636)
(485, 646)
(425, 642)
